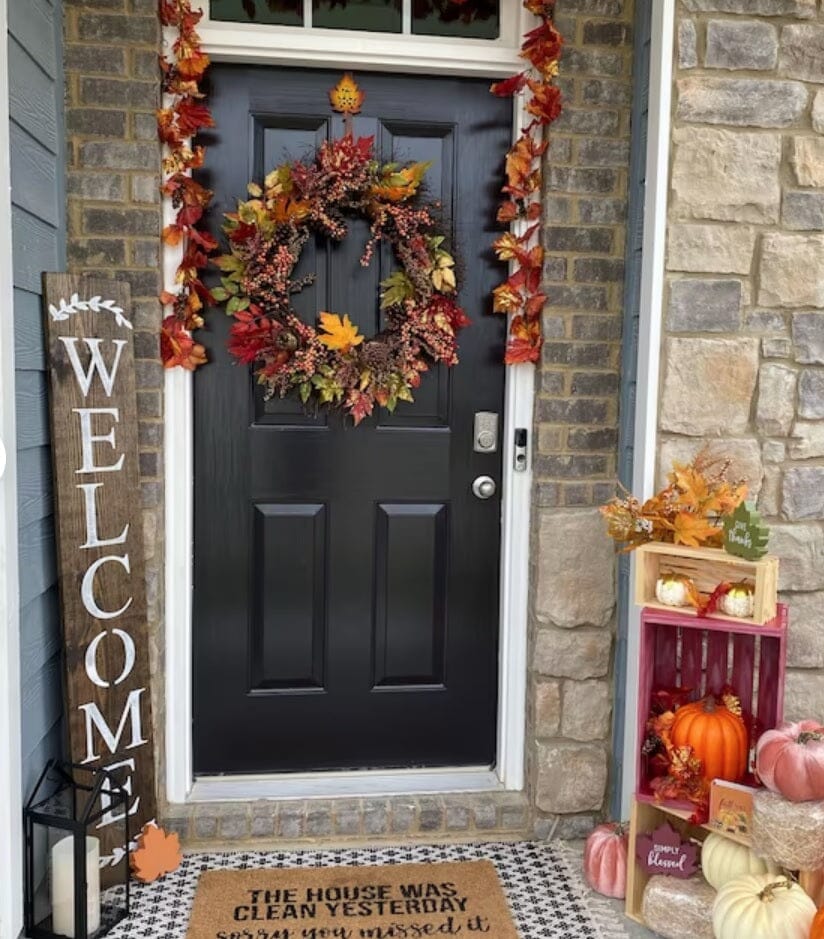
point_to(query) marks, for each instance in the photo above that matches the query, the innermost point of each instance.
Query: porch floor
(542, 881)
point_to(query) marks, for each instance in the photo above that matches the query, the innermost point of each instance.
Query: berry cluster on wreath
(334, 363)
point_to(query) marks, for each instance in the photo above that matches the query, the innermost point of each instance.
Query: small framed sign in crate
(706, 656)
(706, 568)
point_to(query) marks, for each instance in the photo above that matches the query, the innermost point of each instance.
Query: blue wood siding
(39, 244)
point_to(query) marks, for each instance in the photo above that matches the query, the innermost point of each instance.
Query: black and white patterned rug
(541, 882)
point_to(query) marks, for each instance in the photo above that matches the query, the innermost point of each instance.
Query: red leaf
(710, 605)
(192, 116)
(509, 86)
(535, 304)
(545, 102)
(519, 351)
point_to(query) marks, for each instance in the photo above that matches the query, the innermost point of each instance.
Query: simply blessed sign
(664, 852)
(100, 540)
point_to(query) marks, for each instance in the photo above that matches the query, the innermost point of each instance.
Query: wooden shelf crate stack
(680, 649)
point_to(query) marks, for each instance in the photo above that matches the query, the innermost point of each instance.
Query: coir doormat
(398, 901)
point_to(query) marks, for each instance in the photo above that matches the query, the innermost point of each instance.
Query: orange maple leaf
(157, 854)
(285, 209)
(693, 530)
(346, 96)
(341, 334)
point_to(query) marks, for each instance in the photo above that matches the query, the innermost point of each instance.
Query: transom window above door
(468, 19)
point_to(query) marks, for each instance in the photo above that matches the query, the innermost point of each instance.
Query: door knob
(484, 487)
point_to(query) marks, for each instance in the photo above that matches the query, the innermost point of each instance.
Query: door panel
(410, 595)
(346, 579)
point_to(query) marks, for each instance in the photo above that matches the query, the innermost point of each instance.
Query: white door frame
(11, 773)
(413, 54)
(653, 279)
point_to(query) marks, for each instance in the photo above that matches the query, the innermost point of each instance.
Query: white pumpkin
(723, 860)
(762, 906)
(671, 590)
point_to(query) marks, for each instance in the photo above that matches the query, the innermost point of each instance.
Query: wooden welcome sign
(100, 541)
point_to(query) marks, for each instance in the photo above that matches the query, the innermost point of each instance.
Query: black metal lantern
(70, 890)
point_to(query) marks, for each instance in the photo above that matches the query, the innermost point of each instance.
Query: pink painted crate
(679, 650)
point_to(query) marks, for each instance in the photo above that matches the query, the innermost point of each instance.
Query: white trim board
(453, 58)
(256, 43)
(11, 798)
(649, 336)
(352, 785)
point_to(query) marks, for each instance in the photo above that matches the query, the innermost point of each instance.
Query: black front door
(346, 579)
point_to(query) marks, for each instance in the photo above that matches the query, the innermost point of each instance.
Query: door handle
(484, 487)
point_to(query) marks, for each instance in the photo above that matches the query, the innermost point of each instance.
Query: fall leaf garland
(184, 117)
(520, 295)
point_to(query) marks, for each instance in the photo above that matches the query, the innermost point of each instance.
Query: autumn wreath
(333, 364)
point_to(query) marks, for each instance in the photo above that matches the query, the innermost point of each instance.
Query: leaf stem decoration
(520, 295)
(184, 117)
(95, 304)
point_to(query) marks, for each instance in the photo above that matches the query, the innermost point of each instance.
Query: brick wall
(114, 225)
(114, 219)
(572, 599)
(744, 323)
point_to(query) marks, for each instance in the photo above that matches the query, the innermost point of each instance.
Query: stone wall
(744, 321)
(114, 219)
(573, 593)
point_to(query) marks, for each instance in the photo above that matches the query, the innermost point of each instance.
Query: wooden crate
(678, 650)
(707, 567)
(645, 818)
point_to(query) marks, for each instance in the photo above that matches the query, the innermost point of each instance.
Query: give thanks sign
(99, 540)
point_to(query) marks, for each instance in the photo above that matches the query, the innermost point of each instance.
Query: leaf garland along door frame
(334, 364)
(186, 115)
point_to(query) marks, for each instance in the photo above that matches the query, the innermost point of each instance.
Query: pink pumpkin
(605, 860)
(790, 761)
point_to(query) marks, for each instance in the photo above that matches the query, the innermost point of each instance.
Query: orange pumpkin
(817, 927)
(717, 736)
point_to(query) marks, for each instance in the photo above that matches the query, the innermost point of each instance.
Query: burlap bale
(790, 833)
(678, 909)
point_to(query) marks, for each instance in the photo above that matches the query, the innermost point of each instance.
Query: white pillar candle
(62, 886)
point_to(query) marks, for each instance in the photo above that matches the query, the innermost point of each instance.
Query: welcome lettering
(99, 523)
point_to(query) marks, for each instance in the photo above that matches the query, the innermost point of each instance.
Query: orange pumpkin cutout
(717, 736)
(156, 854)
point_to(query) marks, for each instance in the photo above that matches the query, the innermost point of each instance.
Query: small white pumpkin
(762, 906)
(723, 859)
(739, 601)
(671, 590)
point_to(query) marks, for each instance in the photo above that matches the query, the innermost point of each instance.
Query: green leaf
(396, 289)
(230, 283)
(228, 262)
(236, 304)
(220, 294)
(305, 389)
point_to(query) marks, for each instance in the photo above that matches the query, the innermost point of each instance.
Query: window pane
(472, 19)
(273, 12)
(383, 16)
